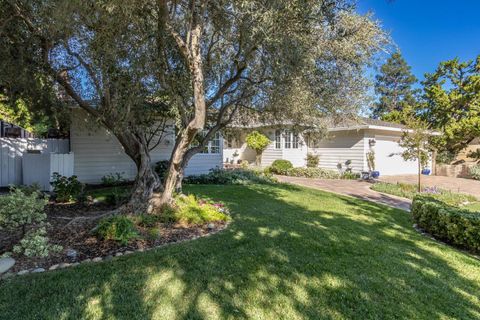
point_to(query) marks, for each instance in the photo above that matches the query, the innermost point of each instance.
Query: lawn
(290, 253)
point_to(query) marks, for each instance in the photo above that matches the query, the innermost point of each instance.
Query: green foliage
(235, 176)
(193, 211)
(30, 189)
(371, 160)
(394, 87)
(280, 166)
(452, 102)
(116, 196)
(66, 189)
(118, 228)
(317, 173)
(475, 154)
(350, 175)
(312, 160)
(461, 227)
(35, 243)
(475, 172)
(113, 179)
(161, 168)
(20, 211)
(445, 157)
(258, 142)
(148, 220)
(409, 191)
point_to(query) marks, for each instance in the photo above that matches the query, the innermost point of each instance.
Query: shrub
(317, 173)
(161, 168)
(116, 196)
(280, 166)
(148, 220)
(235, 176)
(445, 157)
(35, 244)
(117, 228)
(475, 172)
(461, 227)
(190, 210)
(20, 211)
(65, 188)
(350, 175)
(113, 179)
(312, 160)
(258, 142)
(28, 190)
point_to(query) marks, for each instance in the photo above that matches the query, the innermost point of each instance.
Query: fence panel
(12, 152)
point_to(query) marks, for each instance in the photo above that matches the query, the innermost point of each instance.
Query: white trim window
(213, 146)
(278, 139)
(295, 140)
(288, 139)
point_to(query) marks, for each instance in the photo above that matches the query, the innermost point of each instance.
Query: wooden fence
(12, 152)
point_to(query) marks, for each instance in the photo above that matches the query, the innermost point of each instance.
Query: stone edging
(64, 265)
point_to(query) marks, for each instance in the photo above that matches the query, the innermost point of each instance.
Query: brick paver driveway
(354, 188)
(461, 185)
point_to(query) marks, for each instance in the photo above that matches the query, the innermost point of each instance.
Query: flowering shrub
(236, 176)
(66, 188)
(35, 244)
(25, 213)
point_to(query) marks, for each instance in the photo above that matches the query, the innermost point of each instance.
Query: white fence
(12, 152)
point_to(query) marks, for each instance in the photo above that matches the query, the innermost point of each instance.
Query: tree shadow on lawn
(291, 252)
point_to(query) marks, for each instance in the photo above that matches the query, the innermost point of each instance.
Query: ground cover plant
(409, 191)
(290, 253)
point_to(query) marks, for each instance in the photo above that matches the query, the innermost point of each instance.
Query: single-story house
(97, 152)
(344, 142)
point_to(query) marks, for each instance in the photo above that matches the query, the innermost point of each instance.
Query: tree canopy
(394, 86)
(130, 63)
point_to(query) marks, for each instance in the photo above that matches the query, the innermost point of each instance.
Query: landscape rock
(37, 270)
(72, 254)
(97, 259)
(211, 226)
(128, 252)
(87, 260)
(6, 264)
(118, 254)
(54, 267)
(21, 273)
(8, 275)
(64, 265)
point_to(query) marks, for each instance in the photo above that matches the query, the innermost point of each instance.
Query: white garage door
(388, 159)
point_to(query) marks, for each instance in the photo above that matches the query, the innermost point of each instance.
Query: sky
(427, 31)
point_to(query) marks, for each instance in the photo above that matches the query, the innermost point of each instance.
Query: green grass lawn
(290, 253)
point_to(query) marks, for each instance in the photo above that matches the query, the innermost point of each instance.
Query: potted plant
(371, 165)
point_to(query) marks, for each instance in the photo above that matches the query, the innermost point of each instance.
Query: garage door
(388, 159)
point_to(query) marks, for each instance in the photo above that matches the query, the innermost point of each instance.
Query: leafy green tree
(128, 64)
(394, 87)
(258, 142)
(452, 103)
(416, 144)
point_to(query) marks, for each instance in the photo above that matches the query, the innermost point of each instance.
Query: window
(278, 139)
(288, 139)
(295, 141)
(214, 144)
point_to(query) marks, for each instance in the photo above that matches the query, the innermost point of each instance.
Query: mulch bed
(79, 236)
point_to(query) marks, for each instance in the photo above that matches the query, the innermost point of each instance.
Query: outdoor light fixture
(372, 142)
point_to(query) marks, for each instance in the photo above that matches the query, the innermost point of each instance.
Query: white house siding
(388, 159)
(98, 152)
(339, 147)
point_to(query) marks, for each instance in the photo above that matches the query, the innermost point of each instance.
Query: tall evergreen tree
(394, 87)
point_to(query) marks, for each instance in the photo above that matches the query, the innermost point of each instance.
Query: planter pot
(426, 172)
(375, 174)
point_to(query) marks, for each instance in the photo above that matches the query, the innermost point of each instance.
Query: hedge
(458, 226)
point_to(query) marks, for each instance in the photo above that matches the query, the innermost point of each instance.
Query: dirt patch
(79, 236)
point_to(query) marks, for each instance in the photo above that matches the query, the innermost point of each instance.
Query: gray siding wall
(98, 152)
(341, 146)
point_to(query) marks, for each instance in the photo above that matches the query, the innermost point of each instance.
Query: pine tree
(394, 87)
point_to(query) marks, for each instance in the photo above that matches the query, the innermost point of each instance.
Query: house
(8, 130)
(350, 141)
(97, 152)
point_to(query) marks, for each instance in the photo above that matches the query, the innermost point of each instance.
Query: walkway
(354, 188)
(460, 185)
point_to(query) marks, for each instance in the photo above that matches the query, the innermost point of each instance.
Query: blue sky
(427, 31)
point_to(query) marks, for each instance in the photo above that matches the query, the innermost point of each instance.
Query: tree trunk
(258, 159)
(419, 189)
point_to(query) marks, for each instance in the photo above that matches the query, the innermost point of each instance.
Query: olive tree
(130, 64)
